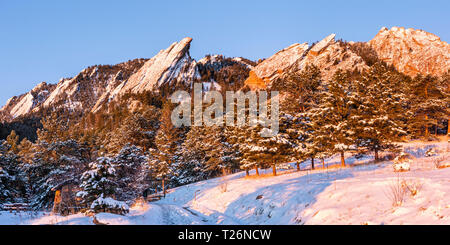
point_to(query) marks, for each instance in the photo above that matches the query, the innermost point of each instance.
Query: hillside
(358, 194)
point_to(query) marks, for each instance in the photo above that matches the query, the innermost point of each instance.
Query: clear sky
(46, 40)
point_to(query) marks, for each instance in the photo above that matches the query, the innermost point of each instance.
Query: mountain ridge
(410, 51)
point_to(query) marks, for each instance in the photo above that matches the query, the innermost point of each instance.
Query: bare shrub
(224, 187)
(396, 192)
(441, 162)
(413, 186)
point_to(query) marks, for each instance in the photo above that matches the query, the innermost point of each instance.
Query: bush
(109, 205)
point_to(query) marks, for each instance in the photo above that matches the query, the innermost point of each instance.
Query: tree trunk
(376, 155)
(312, 163)
(426, 116)
(274, 169)
(323, 162)
(247, 172)
(448, 126)
(342, 159)
(257, 171)
(298, 166)
(164, 188)
(436, 129)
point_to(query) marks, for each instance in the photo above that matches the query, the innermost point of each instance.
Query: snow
(357, 194)
(109, 202)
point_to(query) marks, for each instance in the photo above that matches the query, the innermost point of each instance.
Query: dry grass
(396, 192)
(413, 186)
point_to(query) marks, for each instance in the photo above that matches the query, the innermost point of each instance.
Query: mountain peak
(412, 51)
(162, 68)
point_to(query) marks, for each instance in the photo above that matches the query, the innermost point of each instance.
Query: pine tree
(131, 171)
(332, 119)
(98, 182)
(13, 141)
(12, 179)
(378, 99)
(428, 104)
(301, 88)
(25, 150)
(52, 165)
(207, 150)
(168, 141)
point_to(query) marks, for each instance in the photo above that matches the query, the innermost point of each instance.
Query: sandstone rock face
(23, 104)
(96, 86)
(79, 93)
(412, 51)
(268, 70)
(168, 65)
(328, 55)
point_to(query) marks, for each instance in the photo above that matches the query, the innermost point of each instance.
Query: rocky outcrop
(169, 65)
(269, 69)
(328, 55)
(80, 93)
(21, 105)
(412, 51)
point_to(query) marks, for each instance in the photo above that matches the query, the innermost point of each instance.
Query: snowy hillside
(362, 193)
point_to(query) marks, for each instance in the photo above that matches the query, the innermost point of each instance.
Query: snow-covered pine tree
(12, 180)
(168, 142)
(428, 104)
(378, 100)
(52, 165)
(332, 118)
(301, 93)
(99, 187)
(208, 147)
(280, 147)
(131, 171)
(138, 129)
(301, 89)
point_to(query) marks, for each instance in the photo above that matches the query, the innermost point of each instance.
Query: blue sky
(46, 40)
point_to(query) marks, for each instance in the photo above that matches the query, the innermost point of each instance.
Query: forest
(111, 157)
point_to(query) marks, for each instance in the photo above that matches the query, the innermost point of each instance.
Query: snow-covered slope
(412, 51)
(358, 194)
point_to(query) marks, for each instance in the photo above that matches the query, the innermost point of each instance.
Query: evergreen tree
(99, 181)
(332, 119)
(52, 165)
(378, 99)
(12, 180)
(13, 141)
(131, 171)
(428, 104)
(302, 89)
(168, 141)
